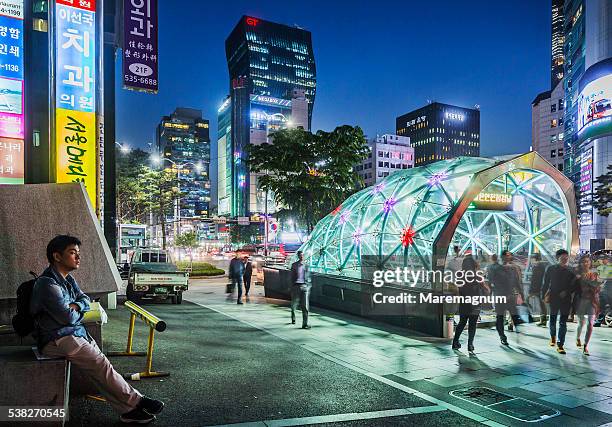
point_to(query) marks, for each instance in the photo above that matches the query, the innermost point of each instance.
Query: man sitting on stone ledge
(58, 307)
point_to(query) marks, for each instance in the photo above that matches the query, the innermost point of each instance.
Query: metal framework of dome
(415, 216)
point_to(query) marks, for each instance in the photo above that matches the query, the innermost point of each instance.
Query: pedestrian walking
(248, 273)
(469, 313)
(535, 287)
(300, 290)
(558, 288)
(236, 274)
(514, 276)
(588, 301)
(505, 281)
(604, 271)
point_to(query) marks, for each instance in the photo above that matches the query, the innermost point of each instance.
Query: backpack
(23, 322)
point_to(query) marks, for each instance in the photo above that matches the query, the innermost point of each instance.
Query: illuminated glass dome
(415, 216)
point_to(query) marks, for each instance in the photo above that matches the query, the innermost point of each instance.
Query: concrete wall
(30, 216)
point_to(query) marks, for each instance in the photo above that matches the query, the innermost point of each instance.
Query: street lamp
(178, 166)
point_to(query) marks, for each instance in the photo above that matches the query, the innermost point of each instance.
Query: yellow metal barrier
(155, 324)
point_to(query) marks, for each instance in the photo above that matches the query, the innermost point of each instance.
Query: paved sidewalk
(579, 387)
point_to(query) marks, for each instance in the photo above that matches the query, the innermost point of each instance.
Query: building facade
(441, 131)
(548, 108)
(183, 142)
(388, 154)
(591, 100)
(547, 125)
(558, 37)
(272, 86)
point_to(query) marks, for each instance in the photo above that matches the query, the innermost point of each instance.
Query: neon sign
(252, 21)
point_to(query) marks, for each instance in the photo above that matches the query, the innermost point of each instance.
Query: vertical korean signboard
(140, 45)
(75, 94)
(11, 92)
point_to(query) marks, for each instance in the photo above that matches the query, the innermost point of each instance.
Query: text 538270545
(31, 413)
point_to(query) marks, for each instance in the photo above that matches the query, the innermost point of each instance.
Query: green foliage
(245, 234)
(142, 190)
(310, 174)
(201, 269)
(186, 240)
(602, 198)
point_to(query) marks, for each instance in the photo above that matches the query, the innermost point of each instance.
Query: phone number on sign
(142, 80)
(32, 413)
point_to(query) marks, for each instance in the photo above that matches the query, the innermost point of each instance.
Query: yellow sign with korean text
(76, 149)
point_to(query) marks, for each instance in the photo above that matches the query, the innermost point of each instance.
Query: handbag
(229, 288)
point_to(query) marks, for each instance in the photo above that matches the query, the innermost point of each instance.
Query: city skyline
(374, 94)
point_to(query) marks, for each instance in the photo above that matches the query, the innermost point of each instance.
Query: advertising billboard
(75, 94)
(11, 161)
(11, 71)
(595, 102)
(140, 45)
(586, 187)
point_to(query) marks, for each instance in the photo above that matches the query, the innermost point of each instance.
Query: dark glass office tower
(558, 37)
(183, 138)
(441, 131)
(575, 48)
(272, 86)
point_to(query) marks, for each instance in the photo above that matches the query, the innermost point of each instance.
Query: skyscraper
(557, 56)
(272, 86)
(441, 131)
(183, 139)
(547, 109)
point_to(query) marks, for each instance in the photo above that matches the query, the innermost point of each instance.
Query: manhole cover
(506, 404)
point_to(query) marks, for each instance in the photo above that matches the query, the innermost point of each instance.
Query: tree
(132, 198)
(309, 174)
(162, 189)
(187, 240)
(244, 234)
(602, 198)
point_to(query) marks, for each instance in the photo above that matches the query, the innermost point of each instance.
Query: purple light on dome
(436, 178)
(389, 204)
(344, 217)
(356, 237)
(378, 188)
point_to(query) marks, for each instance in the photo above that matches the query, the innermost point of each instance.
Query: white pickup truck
(153, 275)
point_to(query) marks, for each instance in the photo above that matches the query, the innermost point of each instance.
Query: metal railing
(155, 324)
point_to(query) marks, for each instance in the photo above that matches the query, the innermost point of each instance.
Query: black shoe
(137, 416)
(239, 302)
(504, 341)
(456, 345)
(293, 321)
(597, 325)
(151, 406)
(470, 348)
(306, 327)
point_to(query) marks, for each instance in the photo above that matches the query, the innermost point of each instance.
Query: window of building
(553, 153)
(553, 123)
(380, 174)
(560, 167)
(560, 104)
(553, 138)
(560, 152)
(380, 164)
(380, 154)
(386, 164)
(553, 108)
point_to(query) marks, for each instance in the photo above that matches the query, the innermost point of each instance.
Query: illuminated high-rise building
(558, 37)
(272, 86)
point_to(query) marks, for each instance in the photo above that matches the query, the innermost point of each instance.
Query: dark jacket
(236, 269)
(537, 277)
(248, 270)
(559, 279)
(49, 306)
(505, 279)
(294, 272)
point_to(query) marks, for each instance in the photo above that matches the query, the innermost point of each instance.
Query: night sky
(375, 61)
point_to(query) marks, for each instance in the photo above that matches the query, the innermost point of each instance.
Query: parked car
(154, 275)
